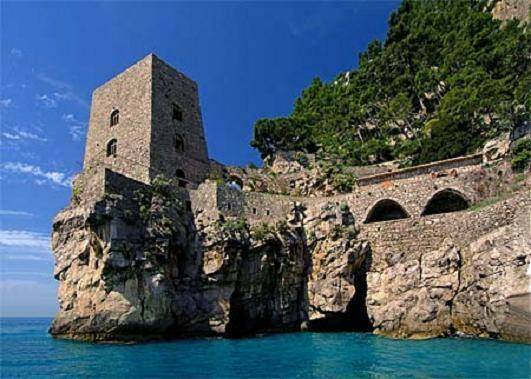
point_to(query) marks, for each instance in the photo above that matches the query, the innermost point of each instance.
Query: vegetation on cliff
(447, 78)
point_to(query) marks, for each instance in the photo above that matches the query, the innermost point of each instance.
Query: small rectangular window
(177, 113)
(268, 212)
(254, 211)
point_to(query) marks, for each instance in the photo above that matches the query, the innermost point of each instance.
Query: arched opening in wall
(179, 143)
(236, 182)
(181, 178)
(112, 147)
(386, 210)
(115, 117)
(445, 201)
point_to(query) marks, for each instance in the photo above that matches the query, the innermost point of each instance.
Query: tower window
(254, 211)
(177, 113)
(112, 147)
(181, 178)
(179, 143)
(115, 117)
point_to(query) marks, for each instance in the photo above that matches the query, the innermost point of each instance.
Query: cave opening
(236, 327)
(356, 317)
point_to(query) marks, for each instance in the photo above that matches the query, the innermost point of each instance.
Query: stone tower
(146, 121)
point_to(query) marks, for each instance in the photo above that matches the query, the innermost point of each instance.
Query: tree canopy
(447, 78)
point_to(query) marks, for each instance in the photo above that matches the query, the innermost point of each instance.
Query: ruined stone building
(212, 249)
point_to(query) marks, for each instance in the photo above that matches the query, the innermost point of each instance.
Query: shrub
(262, 231)
(77, 190)
(343, 182)
(234, 225)
(521, 155)
(343, 207)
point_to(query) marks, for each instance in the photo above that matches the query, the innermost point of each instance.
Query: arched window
(112, 147)
(386, 210)
(179, 143)
(177, 113)
(181, 178)
(236, 182)
(447, 200)
(115, 117)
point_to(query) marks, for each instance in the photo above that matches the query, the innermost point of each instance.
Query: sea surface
(27, 351)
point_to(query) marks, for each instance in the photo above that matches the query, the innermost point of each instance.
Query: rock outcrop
(475, 283)
(140, 264)
(511, 9)
(141, 269)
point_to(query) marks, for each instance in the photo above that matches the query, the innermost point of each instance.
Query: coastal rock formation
(493, 299)
(140, 266)
(115, 270)
(475, 283)
(411, 296)
(159, 241)
(141, 271)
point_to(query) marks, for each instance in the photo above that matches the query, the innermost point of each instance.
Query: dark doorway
(446, 201)
(181, 178)
(386, 210)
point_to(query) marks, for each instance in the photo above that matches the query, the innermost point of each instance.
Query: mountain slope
(447, 78)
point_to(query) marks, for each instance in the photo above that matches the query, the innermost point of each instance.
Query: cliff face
(143, 270)
(140, 265)
(475, 283)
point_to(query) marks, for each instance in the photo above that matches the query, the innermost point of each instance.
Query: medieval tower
(145, 122)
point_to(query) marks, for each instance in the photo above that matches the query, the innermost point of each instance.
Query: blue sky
(251, 60)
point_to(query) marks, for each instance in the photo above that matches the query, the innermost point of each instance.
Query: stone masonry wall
(130, 93)
(459, 272)
(172, 87)
(429, 168)
(412, 193)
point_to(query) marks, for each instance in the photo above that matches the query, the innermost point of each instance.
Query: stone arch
(181, 178)
(386, 210)
(445, 201)
(235, 180)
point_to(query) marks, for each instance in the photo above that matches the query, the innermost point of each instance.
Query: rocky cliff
(143, 267)
(139, 265)
(475, 283)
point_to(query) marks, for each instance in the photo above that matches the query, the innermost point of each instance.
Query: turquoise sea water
(28, 351)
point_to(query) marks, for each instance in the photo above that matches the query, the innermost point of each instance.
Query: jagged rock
(335, 267)
(496, 149)
(511, 9)
(494, 298)
(479, 288)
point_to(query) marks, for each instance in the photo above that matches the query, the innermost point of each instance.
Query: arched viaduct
(439, 187)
